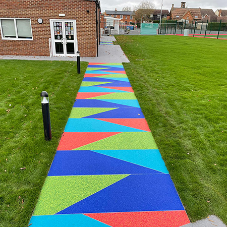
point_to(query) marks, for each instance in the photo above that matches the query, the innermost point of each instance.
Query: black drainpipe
(97, 40)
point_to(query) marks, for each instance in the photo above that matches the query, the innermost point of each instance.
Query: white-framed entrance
(63, 37)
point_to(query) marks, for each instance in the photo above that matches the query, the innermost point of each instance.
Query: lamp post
(46, 115)
(161, 17)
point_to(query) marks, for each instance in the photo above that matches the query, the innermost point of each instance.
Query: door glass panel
(59, 48)
(58, 30)
(69, 31)
(70, 48)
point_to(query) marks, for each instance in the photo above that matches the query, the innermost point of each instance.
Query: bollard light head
(78, 53)
(44, 97)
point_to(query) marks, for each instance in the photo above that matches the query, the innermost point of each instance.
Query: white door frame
(63, 40)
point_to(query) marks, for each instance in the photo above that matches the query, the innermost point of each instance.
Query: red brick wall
(49, 9)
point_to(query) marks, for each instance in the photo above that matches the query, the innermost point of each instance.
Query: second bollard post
(46, 115)
(78, 62)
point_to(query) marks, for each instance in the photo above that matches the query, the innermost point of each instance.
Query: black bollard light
(78, 62)
(46, 115)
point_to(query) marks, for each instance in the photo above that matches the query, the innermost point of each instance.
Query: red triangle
(87, 95)
(92, 63)
(129, 89)
(73, 140)
(145, 219)
(138, 123)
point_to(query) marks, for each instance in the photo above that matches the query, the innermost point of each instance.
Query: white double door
(63, 37)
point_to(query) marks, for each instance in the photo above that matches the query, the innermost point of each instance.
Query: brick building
(192, 14)
(127, 17)
(49, 27)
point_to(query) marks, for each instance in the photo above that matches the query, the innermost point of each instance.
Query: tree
(143, 11)
(126, 8)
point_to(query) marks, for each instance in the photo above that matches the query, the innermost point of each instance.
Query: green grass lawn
(181, 85)
(25, 157)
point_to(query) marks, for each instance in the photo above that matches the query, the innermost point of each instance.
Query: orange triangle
(73, 140)
(138, 123)
(145, 219)
(129, 89)
(87, 95)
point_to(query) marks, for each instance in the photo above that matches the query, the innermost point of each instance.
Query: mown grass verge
(181, 85)
(25, 156)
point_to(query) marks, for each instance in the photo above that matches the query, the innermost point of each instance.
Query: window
(121, 16)
(19, 29)
(125, 17)
(131, 17)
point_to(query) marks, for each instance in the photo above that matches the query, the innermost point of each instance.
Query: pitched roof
(158, 12)
(178, 13)
(210, 13)
(114, 12)
(223, 13)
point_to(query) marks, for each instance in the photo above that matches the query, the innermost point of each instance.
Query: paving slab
(107, 53)
(211, 221)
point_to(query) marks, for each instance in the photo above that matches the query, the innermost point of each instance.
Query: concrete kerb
(210, 221)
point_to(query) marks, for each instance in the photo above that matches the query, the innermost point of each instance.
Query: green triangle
(84, 112)
(117, 95)
(87, 84)
(123, 141)
(60, 192)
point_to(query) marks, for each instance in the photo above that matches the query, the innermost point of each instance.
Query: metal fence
(195, 28)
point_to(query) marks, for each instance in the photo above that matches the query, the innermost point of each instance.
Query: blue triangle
(147, 158)
(94, 125)
(120, 113)
(99, 79)
(126, 102)
(146, 192)
(68, 220)
(116, 84)
(103, 103)
(82, 162)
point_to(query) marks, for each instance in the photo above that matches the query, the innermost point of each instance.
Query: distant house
(221, 15)
(192, 14)
(157, 12)
(49, 27)
(126, 17)
(208, 15)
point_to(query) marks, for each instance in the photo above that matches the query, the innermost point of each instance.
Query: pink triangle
(87, 95)
(138, 123)
(73, 140)
(145, 219)
(129, 89)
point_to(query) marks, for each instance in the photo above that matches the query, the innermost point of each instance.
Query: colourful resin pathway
(108, 170)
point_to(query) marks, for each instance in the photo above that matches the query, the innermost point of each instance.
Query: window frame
(15, 27)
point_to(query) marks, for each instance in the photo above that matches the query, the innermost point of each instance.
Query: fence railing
(195, 28)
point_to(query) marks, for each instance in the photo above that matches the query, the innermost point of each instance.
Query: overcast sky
(204, 4)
